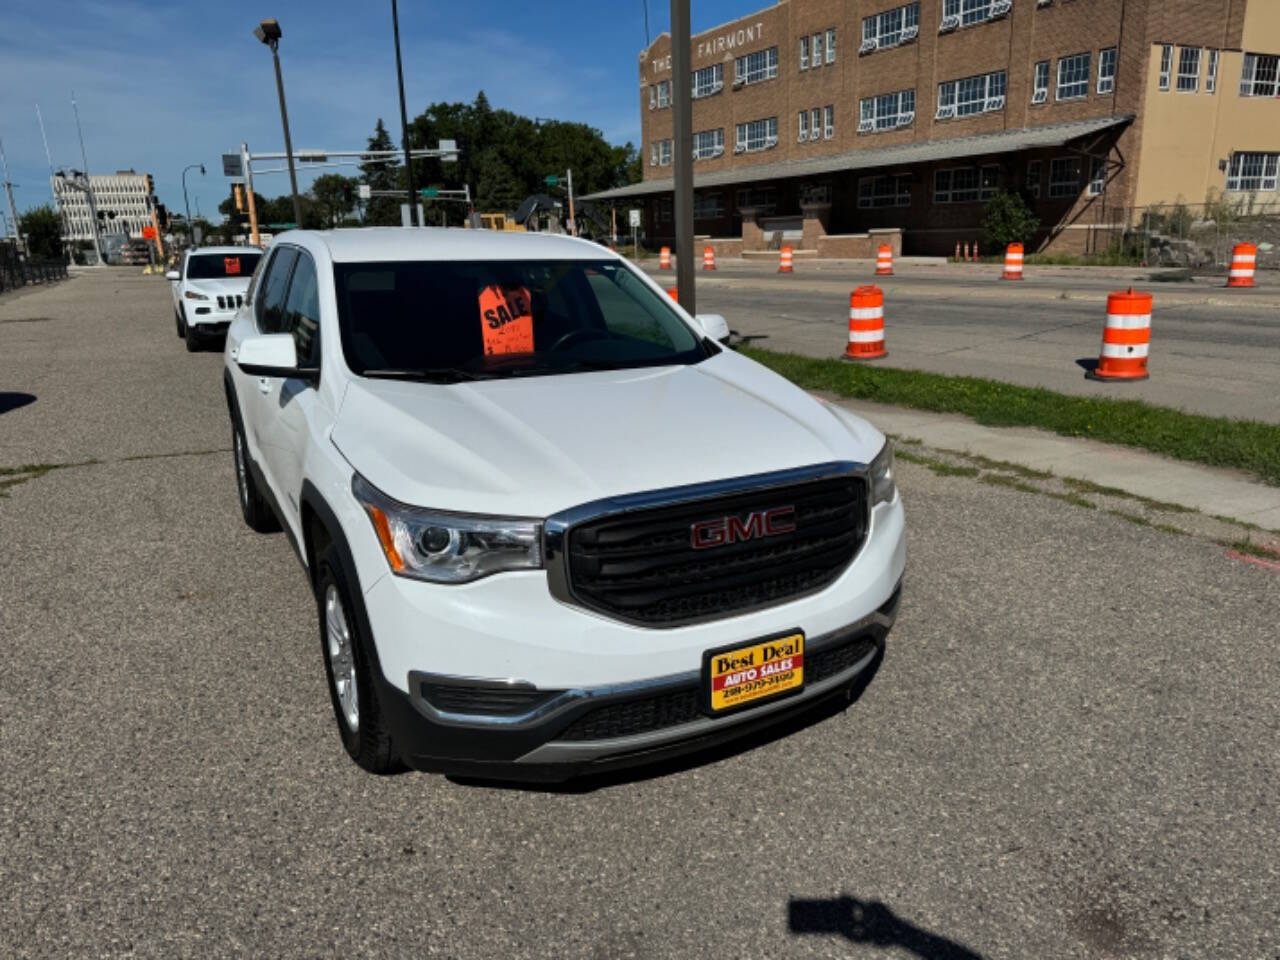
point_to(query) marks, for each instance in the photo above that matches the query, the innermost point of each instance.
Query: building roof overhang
(1005, 141)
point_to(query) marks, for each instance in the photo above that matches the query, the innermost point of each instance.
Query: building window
(708, 144)
(965, 184)
(831, 45)
(763, 199)
(708, 80)
(660, 153)
(1253, 171)
(968, 12)
(1064, 176)
(1211, 74)
(1033, 178)
(1097, 176)
(889, 190)
(972, 95)
(708, 206)
(1073, 77)
(802, 134)
(890, 28)
(815, 123)
(817, 50)
(1189, 70)
(887, 111)
(660, 95)
(756, 135)
(664, 210)
(1259, 76)
(1107, 70)
(1166, 65)
(1040, 83)
(804, 53)
(756, 67)
(828, 121)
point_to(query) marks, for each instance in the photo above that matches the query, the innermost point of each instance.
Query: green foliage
(330, 190)
(43, 230)
(382, 211)
(1008, 220)
(1243, 444)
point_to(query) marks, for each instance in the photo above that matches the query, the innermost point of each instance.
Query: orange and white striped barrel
(957, 249)
(975, 251)
(664, 258)
(1244, 260)
(674, 293)
(966, 251)
(884, 261)
(784, 260)
(1126, 339)
(1013, 262)
(708, 258)
(866, 325)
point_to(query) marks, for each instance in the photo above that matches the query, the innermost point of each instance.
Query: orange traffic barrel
(674, 294)
(1013, 262)
(975, 251)
(957, 249)
(664, 258)
(1126, 338)
(884, 261)
(866, 325)
(708, 258)
(784, 260)
(1244, 260)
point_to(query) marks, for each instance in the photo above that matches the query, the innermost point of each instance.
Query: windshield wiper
(429, 375)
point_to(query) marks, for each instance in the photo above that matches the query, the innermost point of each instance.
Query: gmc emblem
(726, 530)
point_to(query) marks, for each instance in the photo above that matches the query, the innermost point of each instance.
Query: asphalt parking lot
(1070, 749)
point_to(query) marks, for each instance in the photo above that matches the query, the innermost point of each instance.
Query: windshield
(468, 319)
(222, 266)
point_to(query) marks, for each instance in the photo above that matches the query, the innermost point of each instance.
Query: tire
(194, 344)
(177, 322)
(182, 324)
(257, 513)
(354, 695)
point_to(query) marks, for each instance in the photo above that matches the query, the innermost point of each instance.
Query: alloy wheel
(342, 663)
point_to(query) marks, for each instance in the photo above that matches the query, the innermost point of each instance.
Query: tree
(1008, 220)
(382, 211)
(331, 192)
(43, 230)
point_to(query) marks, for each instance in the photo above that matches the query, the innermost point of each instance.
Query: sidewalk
(1211, 491)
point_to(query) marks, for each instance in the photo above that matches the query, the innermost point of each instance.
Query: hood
(534, 446)
(221, 287)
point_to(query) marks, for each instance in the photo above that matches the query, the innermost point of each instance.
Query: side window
(275, 286)
(302, 312)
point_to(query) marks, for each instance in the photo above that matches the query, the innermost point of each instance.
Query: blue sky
(164, 84)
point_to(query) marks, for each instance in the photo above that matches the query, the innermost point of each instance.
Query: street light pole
(682, 102)
(187, 203)
(88, 187)
(269, 33)
(404, 116)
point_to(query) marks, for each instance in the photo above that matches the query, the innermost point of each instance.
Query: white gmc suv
(552, 525)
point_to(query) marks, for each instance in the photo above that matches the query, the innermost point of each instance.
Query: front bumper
(591, 730)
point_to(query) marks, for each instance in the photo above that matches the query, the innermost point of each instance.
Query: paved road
(1220, 358)
(1070, 750)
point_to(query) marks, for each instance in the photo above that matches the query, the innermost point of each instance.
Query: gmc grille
(640, 566)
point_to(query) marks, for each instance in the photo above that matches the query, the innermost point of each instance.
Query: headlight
(192, 295)
(883, 489)
(448, 547)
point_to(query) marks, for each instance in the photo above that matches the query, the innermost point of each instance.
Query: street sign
(552, 180)
(364, 191)
(430, 191)
(312, 156)
(634, 216)
(231, 165)
(448, 150)
(148, 233)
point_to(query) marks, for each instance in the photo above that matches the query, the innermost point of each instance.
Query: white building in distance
(125, 193)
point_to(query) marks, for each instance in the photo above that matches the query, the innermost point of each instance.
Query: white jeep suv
(552, 525)
(208, 289)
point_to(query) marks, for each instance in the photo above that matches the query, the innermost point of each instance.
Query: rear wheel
(349, 667)
(253, 505)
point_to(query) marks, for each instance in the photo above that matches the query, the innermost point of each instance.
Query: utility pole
(88, 186)
(404, 116)
(247, 170)
(682, 103)
(573, 223)
(8, 192)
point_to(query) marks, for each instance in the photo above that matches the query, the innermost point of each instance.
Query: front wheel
(349, 668)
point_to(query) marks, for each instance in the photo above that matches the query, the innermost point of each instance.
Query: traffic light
(347, 194)
(237, 196)
(162, 216)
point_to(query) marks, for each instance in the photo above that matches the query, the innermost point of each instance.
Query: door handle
(264, 384)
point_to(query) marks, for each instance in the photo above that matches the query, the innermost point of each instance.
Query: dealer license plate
(744, 675)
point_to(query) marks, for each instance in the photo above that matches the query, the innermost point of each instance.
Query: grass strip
(1252, 549)
(1248, 445)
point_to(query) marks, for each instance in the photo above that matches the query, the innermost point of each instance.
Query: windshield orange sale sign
(506, 319)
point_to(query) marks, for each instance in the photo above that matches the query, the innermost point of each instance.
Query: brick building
(834, 124)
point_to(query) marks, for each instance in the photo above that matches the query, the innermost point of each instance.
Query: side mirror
(271, 355)
(173, 275)
(714, 326)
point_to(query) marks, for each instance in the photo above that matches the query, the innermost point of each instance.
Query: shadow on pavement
(1087, 364)
(834, 703)
(873, 923)
(12, 401)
